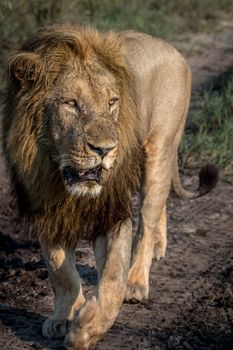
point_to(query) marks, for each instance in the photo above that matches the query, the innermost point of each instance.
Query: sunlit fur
(57, 215)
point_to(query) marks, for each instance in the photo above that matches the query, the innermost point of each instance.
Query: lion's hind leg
(67, 289)
(160, 242)
(100, 252)
(149, 246)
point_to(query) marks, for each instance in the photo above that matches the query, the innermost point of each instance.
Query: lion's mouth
(72, 176)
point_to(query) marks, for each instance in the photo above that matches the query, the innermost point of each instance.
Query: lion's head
(69, 127)
(81, 134)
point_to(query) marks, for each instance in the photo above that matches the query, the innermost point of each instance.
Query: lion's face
(81, 127)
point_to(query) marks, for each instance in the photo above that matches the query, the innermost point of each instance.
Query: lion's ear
(26, 66)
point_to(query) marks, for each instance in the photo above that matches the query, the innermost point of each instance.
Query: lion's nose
(102, 151)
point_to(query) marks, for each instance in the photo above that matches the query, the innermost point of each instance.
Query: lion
(90, 120)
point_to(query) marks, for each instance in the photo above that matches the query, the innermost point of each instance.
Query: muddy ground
(191, 295)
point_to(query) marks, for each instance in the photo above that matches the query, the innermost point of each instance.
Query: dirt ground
(191, 295)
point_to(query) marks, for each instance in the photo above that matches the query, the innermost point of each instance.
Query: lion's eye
(113, 101)
(73, 104)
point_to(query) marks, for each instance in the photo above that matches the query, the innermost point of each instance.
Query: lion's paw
(82, 332)
(55, 329)
(87, 327)
(136, 293)
(78, 341)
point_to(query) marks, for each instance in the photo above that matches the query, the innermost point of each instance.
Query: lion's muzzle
(73, 176)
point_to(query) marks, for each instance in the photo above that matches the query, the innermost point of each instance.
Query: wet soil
(191, 295)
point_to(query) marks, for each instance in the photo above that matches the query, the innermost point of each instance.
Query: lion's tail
(208, 178)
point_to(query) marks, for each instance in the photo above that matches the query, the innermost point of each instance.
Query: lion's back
(159, 73)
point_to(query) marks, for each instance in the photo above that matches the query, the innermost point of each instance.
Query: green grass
(211, 136)
(164, 18)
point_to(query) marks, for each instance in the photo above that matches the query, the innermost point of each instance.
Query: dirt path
(191, 297)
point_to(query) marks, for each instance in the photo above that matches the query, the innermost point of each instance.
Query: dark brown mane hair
(58, 217)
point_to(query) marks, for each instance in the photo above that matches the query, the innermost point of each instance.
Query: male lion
(91, 119)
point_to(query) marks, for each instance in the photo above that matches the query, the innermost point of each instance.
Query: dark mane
(56, 216)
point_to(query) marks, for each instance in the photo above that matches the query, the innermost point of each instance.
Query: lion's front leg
(67, 289)
(153, 218)
(98, 314)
